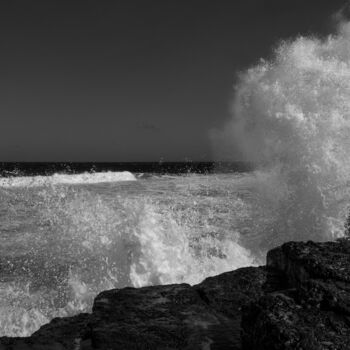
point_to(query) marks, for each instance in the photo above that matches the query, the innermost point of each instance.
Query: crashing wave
(291, 117)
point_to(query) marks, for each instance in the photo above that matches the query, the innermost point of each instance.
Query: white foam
(69, 179)
(291, 116)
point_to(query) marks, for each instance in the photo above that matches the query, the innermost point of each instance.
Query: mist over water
(291, 117)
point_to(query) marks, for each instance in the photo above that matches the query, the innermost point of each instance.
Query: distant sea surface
(49, 168)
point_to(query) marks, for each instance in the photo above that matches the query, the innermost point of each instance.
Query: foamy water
(67, 179)
(62, 244)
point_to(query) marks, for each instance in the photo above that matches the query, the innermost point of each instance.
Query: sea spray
(291, 117)
(62, 244)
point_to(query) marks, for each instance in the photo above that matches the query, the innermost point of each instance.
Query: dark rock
(176, 316)
(228, 292)
(165, 317)
(277, 322)
(313, 313)
(301, 261)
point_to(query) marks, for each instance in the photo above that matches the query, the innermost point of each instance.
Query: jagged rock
(176, 316)
(166, 317)
(301, 261)
(314, 313)
(277, 322)
(228, 292)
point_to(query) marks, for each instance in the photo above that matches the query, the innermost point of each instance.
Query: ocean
(67, 234)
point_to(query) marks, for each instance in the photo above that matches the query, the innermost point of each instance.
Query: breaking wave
(62, 245)
(67, 179)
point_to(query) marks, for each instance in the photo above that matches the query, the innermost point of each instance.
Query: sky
(108, 80)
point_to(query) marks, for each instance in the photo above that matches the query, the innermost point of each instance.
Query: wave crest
(66, 179)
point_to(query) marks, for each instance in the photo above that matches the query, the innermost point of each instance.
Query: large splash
(291, 117)
(60, 245)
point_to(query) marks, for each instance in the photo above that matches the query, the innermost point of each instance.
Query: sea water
(62, 242)
(65, 238)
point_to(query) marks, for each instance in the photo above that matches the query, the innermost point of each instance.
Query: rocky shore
(299, 300)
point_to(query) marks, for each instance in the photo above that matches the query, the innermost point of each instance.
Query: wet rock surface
(313, 312)
(300, 300)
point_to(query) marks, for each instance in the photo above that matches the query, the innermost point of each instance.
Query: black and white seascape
(69, 234)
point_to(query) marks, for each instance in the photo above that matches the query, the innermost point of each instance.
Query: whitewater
(64, 238)
(63, 243)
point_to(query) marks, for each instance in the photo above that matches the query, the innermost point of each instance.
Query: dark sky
(100, 80)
